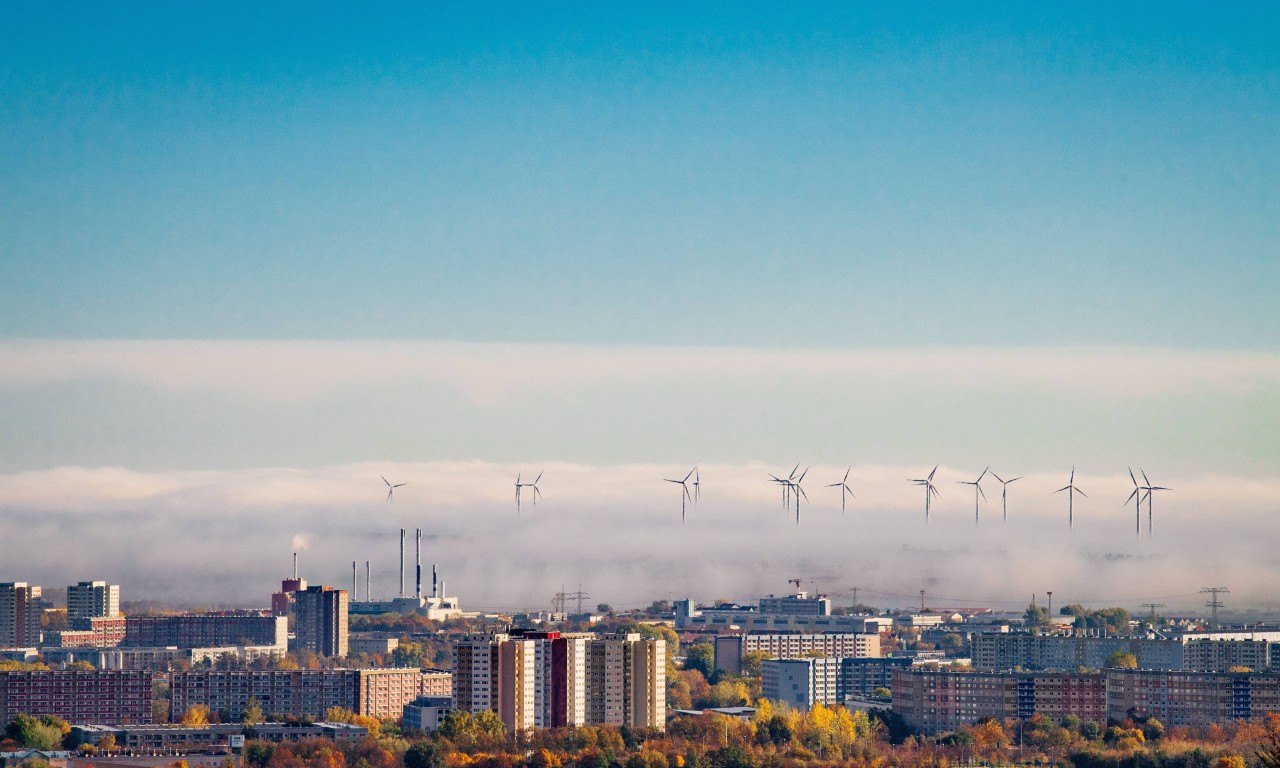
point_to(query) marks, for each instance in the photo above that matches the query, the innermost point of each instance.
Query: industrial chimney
(402, 562)
(368, 583)
(295, 566)
(417, 591)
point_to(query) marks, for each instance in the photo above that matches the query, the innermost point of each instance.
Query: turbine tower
(1004, 493)
(845, 490)
(1071, 490)
(799, 492)
(1151, 490)
(685, 496)
(930, 491)
(1136, 498)
(977, 491)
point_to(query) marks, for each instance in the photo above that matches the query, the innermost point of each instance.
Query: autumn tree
(1122, 660)
(196, 715)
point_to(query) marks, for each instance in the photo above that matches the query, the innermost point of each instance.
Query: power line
(1214, 603)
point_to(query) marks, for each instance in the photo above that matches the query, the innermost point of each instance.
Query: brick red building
(104, 697)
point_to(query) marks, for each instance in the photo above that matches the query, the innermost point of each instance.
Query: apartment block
(998, 652)
(861, 677)
(92, 632)
(549, 679)
(1191, 698)
(19, 615)
(278, 692)
(801, 683)
(730, 649)
(106, 697)
(320, 620)
(207, 630)
(91, 600)
(1205, 655)
(385, 692)
(936, 701)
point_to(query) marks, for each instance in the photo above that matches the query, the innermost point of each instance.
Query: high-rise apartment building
(549, 679)
(19, 615)
(206, 630)
(320, 620)
(100, 696)
(91, 600)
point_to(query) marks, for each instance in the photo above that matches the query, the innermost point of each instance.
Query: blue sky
(832, 176)
(251, 258)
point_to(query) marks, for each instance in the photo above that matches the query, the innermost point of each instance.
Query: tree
(253, 714)
(753, 663)
(1122, 660)
(423, 754)
(407, 655)
(700, 656)
(196, 715)
(1036, 616)
(80, 666)
(34, 733)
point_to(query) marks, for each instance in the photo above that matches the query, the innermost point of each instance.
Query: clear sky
(823, 175)
(254, 255)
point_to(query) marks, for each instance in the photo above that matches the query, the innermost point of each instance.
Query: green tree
(423, 754)
(407, 655)
(34, 733)
(753, 663)
(1122, 660)
(700, 656)
(253, 714)
(1036, 616)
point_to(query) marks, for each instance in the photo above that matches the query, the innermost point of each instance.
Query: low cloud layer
(183, 405)
(226, 536)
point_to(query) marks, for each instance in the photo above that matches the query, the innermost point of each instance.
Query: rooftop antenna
(685, 496)
(977, 491)
(391, 488)
(1004, 494)
(1136, 498)
(930, 491)
(1151, 490)
(845, 490)
(1071, 490)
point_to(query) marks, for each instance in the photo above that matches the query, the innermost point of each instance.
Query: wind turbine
(1136, 498)
(391, 489)
(697, 486)
(929, 492)
(799, 492)
(1150, 489)
(1071, 490)
(845, 490)
(685, 496)
(1004, 494)
(786, 486)
(537, 494)
(977, 491)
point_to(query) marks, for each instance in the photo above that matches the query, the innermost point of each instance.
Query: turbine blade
(1082, 493)
(385, 481)
(997, 477)
(982, 492)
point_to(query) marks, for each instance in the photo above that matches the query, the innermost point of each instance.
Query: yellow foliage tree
(196, 715)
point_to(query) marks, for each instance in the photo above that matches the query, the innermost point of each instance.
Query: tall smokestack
(355, 585)
(417, 591)
(434, 592)
(295, 566)
(368, 581)
(402, 562)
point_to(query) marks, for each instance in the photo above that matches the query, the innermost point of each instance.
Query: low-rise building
(426, 713)
(158, 737)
